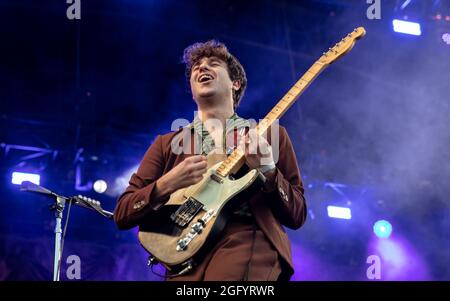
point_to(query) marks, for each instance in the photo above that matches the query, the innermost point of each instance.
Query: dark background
(371, 132)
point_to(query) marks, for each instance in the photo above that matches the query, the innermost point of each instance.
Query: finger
(197, 174)
(198, 179)
(199, 170)
(197, 158)
(199, 165)
(252, 148)
(194, 180)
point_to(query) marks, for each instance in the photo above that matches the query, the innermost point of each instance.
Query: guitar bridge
(186, 212)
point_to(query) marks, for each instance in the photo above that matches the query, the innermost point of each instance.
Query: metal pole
(59, 208)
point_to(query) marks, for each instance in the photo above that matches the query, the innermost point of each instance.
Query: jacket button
(138, 205)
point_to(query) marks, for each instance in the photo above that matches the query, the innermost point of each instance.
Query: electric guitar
(193, 217)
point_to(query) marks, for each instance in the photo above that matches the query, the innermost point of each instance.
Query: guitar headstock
(94, 204)
(84, 201)
(342, 47)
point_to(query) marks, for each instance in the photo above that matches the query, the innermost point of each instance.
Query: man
(254, 245)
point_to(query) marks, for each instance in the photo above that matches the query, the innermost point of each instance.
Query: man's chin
(206, 95)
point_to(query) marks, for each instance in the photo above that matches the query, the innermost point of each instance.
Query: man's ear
(236, 85)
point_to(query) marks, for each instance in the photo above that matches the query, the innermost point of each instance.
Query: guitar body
(161, 237)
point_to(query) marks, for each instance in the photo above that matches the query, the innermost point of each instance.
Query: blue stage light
(382, 229)
(339, 212)
(407, 27)
(19, 177)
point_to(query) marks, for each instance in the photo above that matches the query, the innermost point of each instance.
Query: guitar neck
(235, 161)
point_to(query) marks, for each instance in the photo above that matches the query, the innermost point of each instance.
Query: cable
(182, 272)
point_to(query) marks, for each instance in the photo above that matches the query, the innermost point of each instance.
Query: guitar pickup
(217, 178)
(186, 212)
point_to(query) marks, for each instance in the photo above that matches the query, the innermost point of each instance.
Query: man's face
(210, 78)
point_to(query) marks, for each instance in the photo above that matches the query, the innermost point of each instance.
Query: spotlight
(339, 212)
(407, 27)
(382, 229)
(446, 38)
(19, 177)
(100, 186)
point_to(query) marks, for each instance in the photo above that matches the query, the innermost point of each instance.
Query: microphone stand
(58, 207)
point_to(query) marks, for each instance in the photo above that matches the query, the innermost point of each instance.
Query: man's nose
(203, 66)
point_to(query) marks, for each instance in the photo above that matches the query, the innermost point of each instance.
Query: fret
(272, 113)
(295, 90)
(288, 97)
(278, 105)
(299, 88)
(291, 92)
(313, 69)
(303, 80)
(307, 76)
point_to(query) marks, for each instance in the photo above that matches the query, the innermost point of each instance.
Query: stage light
(19, 177)
(407, 27)
(100, 186)
(382, 229)
(122, 182)
(446, 38)
(339, 212)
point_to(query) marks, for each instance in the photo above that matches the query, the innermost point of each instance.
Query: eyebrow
(211, 59)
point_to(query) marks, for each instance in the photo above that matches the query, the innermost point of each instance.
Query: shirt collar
(233, 122)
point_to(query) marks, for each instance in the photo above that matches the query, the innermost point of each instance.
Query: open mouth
(205, 78)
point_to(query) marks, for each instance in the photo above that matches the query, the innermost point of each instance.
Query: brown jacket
(283, 204)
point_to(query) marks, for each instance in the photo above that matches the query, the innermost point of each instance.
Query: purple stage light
(446, 38)
(399, 260)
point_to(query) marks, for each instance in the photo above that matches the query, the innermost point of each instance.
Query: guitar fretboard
(236, 159)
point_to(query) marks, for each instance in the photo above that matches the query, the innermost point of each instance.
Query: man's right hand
(189, 172)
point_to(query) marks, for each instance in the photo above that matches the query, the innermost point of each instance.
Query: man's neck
(221, 113)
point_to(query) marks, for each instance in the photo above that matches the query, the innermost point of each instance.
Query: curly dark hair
(195, 52)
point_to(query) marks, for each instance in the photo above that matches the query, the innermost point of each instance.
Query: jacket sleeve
(137, 201)
(287, 193)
